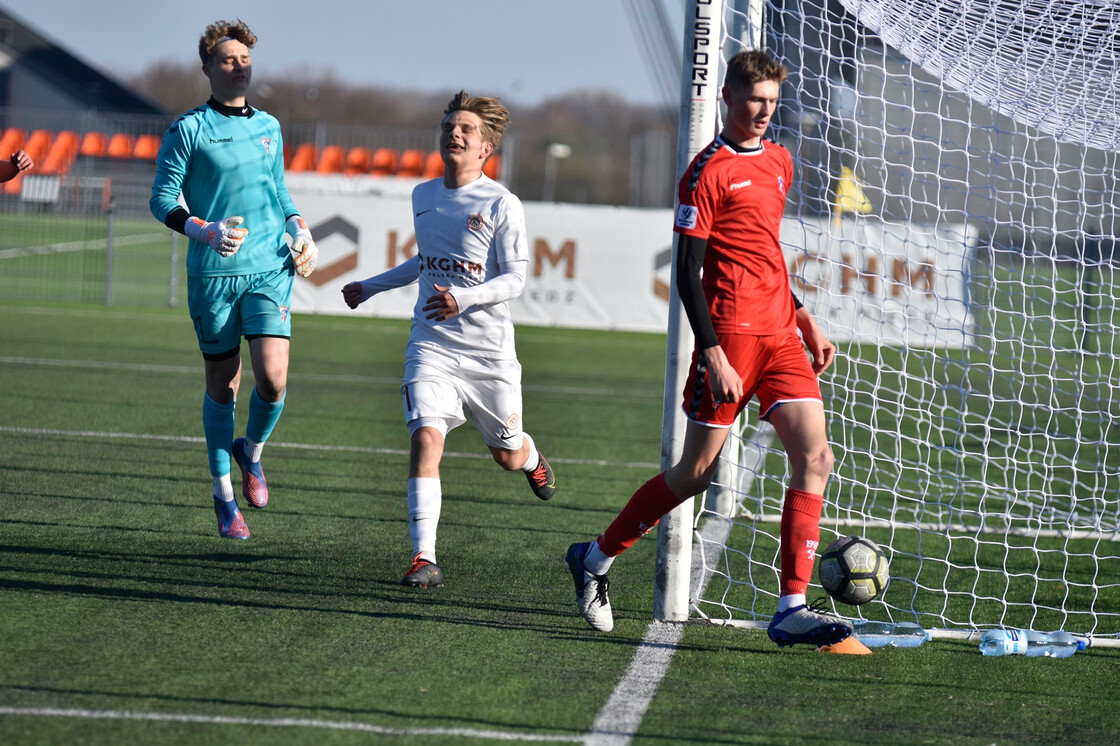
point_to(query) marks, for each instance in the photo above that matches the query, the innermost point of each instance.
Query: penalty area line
(173, 717)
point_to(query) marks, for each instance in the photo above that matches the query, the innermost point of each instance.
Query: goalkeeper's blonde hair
(219, 31)
(494, 116)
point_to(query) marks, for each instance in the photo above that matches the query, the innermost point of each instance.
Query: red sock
(652, 500)
(801, 533)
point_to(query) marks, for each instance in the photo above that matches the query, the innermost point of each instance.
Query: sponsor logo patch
(686, 216)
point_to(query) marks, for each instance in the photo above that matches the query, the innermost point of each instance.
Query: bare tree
(598, 126)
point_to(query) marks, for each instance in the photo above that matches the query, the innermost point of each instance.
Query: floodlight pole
(556, 151)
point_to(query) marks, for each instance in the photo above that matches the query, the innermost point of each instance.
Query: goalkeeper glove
(223, 236)
(303, 248)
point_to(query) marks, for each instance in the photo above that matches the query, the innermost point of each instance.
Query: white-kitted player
(472, 258)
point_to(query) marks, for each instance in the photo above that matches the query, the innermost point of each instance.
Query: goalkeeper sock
(217, 424)
(262, 418)
(800, 535)
(253, 449)
(223, 488)
(652, 500)
(425, 496)
(534, 458)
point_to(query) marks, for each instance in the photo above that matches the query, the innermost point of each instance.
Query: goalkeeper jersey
(463, 237)
(225, 165)
(734, 199)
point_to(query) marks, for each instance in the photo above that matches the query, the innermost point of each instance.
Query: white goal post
(954, 227)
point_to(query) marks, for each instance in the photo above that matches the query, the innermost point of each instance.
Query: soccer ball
(853, 570)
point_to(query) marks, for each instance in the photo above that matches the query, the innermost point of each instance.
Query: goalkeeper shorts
(225, 309)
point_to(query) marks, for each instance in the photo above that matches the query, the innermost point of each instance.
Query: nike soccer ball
(853, 570)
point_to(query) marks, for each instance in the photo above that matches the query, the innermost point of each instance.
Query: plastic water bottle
(895, 634)
(1029, 643)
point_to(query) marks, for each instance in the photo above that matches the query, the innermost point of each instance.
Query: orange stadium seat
(61, 155)
(412, 163)
(304, 158)
(12, 141)
(331, 160)
(384, 163)
(146, 147)
(93, 144)
(433, 166)
(288, 151)
(493, 167)
(120, 146)
(358, 161)
(38, 144)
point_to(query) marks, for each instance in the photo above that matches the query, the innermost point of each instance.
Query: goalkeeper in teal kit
(226, 160)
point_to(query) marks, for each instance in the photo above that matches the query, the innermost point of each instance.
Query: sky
(524, 51)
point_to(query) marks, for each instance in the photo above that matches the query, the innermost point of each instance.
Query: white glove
(303, 248)
(223, 236)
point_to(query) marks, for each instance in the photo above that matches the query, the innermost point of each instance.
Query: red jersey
(735, 200)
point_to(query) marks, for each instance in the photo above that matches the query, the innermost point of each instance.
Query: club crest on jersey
(285, 313)
(781, 184)
(512, 421)
(476, 222)
(267, 143)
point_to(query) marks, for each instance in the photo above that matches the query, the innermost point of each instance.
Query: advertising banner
(599, 267)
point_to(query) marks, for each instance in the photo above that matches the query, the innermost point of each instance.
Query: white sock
(788, 602)
(254, 450)
(223, 488)
(595, 561)
(425, 495)
(533, 459)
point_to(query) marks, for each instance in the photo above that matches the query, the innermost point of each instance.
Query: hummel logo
(741, 184)
(423, 211)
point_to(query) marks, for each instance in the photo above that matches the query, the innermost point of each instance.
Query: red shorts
(776, 368)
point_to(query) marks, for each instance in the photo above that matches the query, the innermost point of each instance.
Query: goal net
(953, 227)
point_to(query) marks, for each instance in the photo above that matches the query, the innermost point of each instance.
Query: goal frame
(681, 563)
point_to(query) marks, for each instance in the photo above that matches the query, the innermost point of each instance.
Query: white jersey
(466, 237)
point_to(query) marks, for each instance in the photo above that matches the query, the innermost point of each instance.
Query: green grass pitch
(117, 597)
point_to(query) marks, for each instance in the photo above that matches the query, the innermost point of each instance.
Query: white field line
(172, 717)
(318, 377)
(82, 245)
(303, 446)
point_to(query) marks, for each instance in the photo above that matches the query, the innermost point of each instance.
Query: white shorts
(438, 388)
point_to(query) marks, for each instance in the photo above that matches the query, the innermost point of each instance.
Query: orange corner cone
(848, 646)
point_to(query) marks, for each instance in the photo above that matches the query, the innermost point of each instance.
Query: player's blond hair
(494, 116)
(220, 31)
(753, 66)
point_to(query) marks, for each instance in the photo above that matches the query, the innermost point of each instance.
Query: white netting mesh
(1049, 64)
(966, 264)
